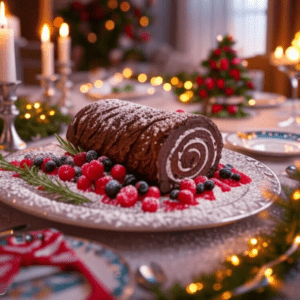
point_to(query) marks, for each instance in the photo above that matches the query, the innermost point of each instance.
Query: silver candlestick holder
(65, 85)
(9, 139)
(48, 85)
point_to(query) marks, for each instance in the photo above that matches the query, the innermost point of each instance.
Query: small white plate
(50, 283)
(265, 100)
(266, 142)
(140, 90)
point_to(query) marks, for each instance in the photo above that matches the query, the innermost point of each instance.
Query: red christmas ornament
(235, 73)
(236, 61)
(203, 93)
(250, 85)
(224, 64)
(225, 49)
(209, 82)
(232, 109)
(220, 83)
(212, 64)
(128, 29)
(200, 80)
(229, 91)
(216, 108)
(217, 52)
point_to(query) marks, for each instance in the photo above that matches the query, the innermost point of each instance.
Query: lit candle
(47, 48)
(292, 55)
(7, 50)
(64, 44)
(278, 52)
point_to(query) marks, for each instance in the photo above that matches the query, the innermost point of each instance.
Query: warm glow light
(188, 85)
(64, 30)
(125, 6)
(3, 20)
(219, 38)
(42, 117)
(268, 272)
(158, 80)
(152, 80)
(278, 52)
(296, 195)
(199, 286)
(36, 105)
(92, 37)
(235, 260)
(253, 253)
(167, 87)
(191, 288)
(251, 102)
(98, 83)
(253, 241)
(179, 84)
(226, 295)
(127, 72)
(297, 239)
(45, 33)
(27, 116)
(144, 21)
(52, 112)
(118, 77)
(89, 85)
(84, 89)
(292, 53)
(112, 4)
(142, 77)
(109, 24)
(151, 91)
(184, 97)
(28, 106)
(174, 80)
(58, 21)
(217, 286)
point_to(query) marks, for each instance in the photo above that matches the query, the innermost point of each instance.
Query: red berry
(185, 197)
(236, 61)
(79, 159)
(229, 91)
(101, 182)
(224, 64)
(84, 169)
(16, 175)
(83, 183)
(203, 93)
(153, 192)
(220, 83)
(150, 204)
(188, 184)
(15, 163)
(41, 188)
(66, 173)
(68, 154)
(212, 64)
(217, 52)
(26, 161)
(200, 80)
(235, 73)
(180, 111)
(102, 157)
(216, 108)
(118, 172)
(232, 109)
(200, 179)
(95, 170)
(250, 85)
(127, 196)
(209, 82)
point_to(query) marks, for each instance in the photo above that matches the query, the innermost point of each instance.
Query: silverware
(11, 231)
(148, 276)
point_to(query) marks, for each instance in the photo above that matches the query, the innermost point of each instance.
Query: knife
(11, 231)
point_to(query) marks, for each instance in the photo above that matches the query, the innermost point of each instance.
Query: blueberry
(50, 166)
(199, 188)
(28, 238)
(75, 179)
(130, 179)
(228, 166)
(173, 194)
(235, 176)
(209, 185)
(143, 187)
(38, 161)
(91, 155)
(112, 188)
(40, 236)
(56, 160)
(78, 171)
(70, 161)
(108, 164)
(62, 161)
(225, 173)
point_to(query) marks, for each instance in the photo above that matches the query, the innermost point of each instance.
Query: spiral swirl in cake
(162, 146)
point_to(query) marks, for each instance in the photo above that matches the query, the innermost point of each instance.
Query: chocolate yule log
(162, 146)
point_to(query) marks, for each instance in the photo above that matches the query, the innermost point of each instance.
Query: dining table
(182, 254)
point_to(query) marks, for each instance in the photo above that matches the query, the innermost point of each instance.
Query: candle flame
(278, 52)
(45, 33)
(3, 20)
(64, 30)
(292, 53)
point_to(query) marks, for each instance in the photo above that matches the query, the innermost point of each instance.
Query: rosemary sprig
(67, 146)
(33, 177)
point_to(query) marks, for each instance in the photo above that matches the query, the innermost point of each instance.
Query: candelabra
(65, 85)
(48, 85)
(9, 139)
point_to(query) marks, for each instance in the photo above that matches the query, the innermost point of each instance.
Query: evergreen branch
(33, 177)
(67, 146)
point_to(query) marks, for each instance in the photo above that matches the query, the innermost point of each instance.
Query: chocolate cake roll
(162, 146)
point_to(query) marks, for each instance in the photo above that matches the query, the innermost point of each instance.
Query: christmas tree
(226, 77)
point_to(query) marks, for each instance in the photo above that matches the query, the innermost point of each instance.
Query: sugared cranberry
(150, 204)
(79, 159)
(66, 173)
(153, 192)
(95, 170)
(118, 172)
(185, 197)
(188, 184)
(28, 162)
(15, 163)
(127, 196)
(101, 183)
(83, 183)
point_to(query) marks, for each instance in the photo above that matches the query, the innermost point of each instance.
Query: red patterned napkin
(45, 247)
